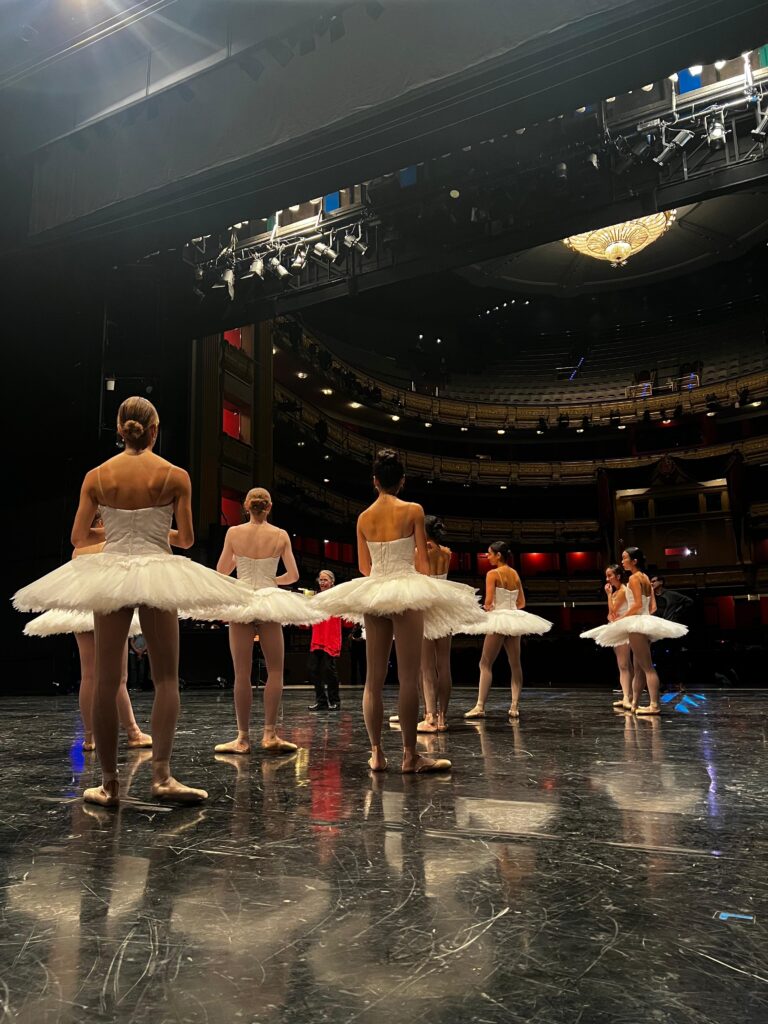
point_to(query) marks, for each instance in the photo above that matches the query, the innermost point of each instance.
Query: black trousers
(324, 677)
(358, 661)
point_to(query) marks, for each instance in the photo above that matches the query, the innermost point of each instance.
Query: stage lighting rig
(676, 145)
(761, 129)
(255, 268)
(277, 268)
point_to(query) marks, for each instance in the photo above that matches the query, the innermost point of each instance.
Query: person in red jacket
(324, 651)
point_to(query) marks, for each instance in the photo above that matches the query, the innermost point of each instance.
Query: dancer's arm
(227, 560)
(184, 534)
(83, 533)
(420, 536)
(520, 591)
(363, 554)
(291, 573)
(491, 580)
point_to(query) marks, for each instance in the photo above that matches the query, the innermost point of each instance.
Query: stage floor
(573, 868)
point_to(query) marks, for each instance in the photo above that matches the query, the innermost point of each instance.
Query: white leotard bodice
(138, 531)
(257, 572)
(440, 576)
(626, 601)
(392, 557)
(504, 598)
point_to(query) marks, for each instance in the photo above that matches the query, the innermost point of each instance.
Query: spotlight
(695, 70)
(719, 65)
(427, 424)
(678, 143)
(395, 418)
(226, 280)
(501, 431)
(464, 429)
(584, 425)
(326, 391)
(716, 133)
(355, 405)
(543, 425)
(356, 243)
(256, 268)
(664, 417)
(756, 403)
(762, 128)
(302, 375)
(299, 259)
(327, 253)
(713, 406)
(277, 268)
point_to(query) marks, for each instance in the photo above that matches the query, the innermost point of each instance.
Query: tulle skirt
(56, 622)
(108, 582)
(446, 605)
(508, 622)
(268, 604)
(616, 634)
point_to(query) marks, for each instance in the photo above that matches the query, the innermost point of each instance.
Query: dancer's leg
(641, 653)
(625, 676)
(444, 679)
(379, 634)
(161, 631)
(273, 649)
(491, 647)
(241, 636)
(86, 648)
(429, 686)
(111, 633)
(136, 738)
(512, 647)
(408, 631)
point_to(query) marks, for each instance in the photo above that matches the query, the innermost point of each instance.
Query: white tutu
(395, 587)
(135, 568)
(508, 622)
(55, 622)
(271, 604)
(616, 634)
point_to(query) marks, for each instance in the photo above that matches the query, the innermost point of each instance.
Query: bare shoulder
(415, 510)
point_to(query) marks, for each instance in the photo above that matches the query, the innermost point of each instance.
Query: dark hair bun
(388, 469)
(435, 529)
(258, 505)
(637, 555)
(133, 430)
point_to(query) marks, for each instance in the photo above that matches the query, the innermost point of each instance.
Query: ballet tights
(241, 636)
(86, 646)
(491, 649)
(644, 670)
(436, 678)
(625, 672)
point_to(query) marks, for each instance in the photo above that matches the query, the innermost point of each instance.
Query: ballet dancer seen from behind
(436, 654)
(618, 605)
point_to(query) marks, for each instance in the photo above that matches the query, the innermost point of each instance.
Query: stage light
(226, 280)
(278, 269)
(326, 252)
(663, 416)
(302, 375)
(621, 426)
(354, 242)
(355, 405)
(585, 425)
(543, 425)
(427, 424)
(647, 88)
(674, 77)
(326, 481)
(716, 133)
(678, 143)
(454, 193)
(395, 418)
(756, 404)
(502, 487)
(463, 429)
(713, 406)
(326, 391)
(501, 431)
(695, 70)
(761, 130)
(299, 259)
(719, 65)
(256, 268)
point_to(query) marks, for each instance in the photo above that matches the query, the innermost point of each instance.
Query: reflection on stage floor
(578, 866)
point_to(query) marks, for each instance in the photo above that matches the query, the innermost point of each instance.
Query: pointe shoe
(278, 746)
(394, 718)
(428, 727)
(426, 766)
(172, 791)
(88, 746)
(648, 709)
(475, 712)
(105, 795)
(141, 742)
(513, 715)
(240, 747)
(382, 768)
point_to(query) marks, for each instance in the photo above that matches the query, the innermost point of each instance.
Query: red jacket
(326, 636)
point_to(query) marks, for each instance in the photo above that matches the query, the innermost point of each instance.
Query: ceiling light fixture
(355, 405)
(676, 145)
(302, 375)
(326, 391)
(618, 242)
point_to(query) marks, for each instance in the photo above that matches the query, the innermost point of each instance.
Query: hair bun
(133, 429)
(258, 504)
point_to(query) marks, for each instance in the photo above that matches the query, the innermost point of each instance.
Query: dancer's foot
(89, 744)
(238, 746)
(619, 705)
(173, 791)
(377, 762)
(394, 718)
(513, 713)
(442, 724)
(429, 724)
(139, 740)
(648, 709)
(275, 745)
(106, 795)
(418, 765)
(478, 711)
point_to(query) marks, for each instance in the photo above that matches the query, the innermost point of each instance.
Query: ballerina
(255, 548)
(396, 599)
(618, 604)
(638, 626)
(505, 623)
(80, 625)
(138, 494)
(436, 680)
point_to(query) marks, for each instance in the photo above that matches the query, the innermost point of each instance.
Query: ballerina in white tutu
(80, 625)
(138, 495)
(396, 599)
(255, 549)
(436, 679)
(618, 604)
(505, 623)
(640, 627)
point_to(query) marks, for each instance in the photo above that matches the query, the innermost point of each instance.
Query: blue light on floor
(683, 702)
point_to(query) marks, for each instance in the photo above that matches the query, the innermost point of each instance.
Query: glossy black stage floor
(582, 866)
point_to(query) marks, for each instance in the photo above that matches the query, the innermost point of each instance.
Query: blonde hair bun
(135, 418)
